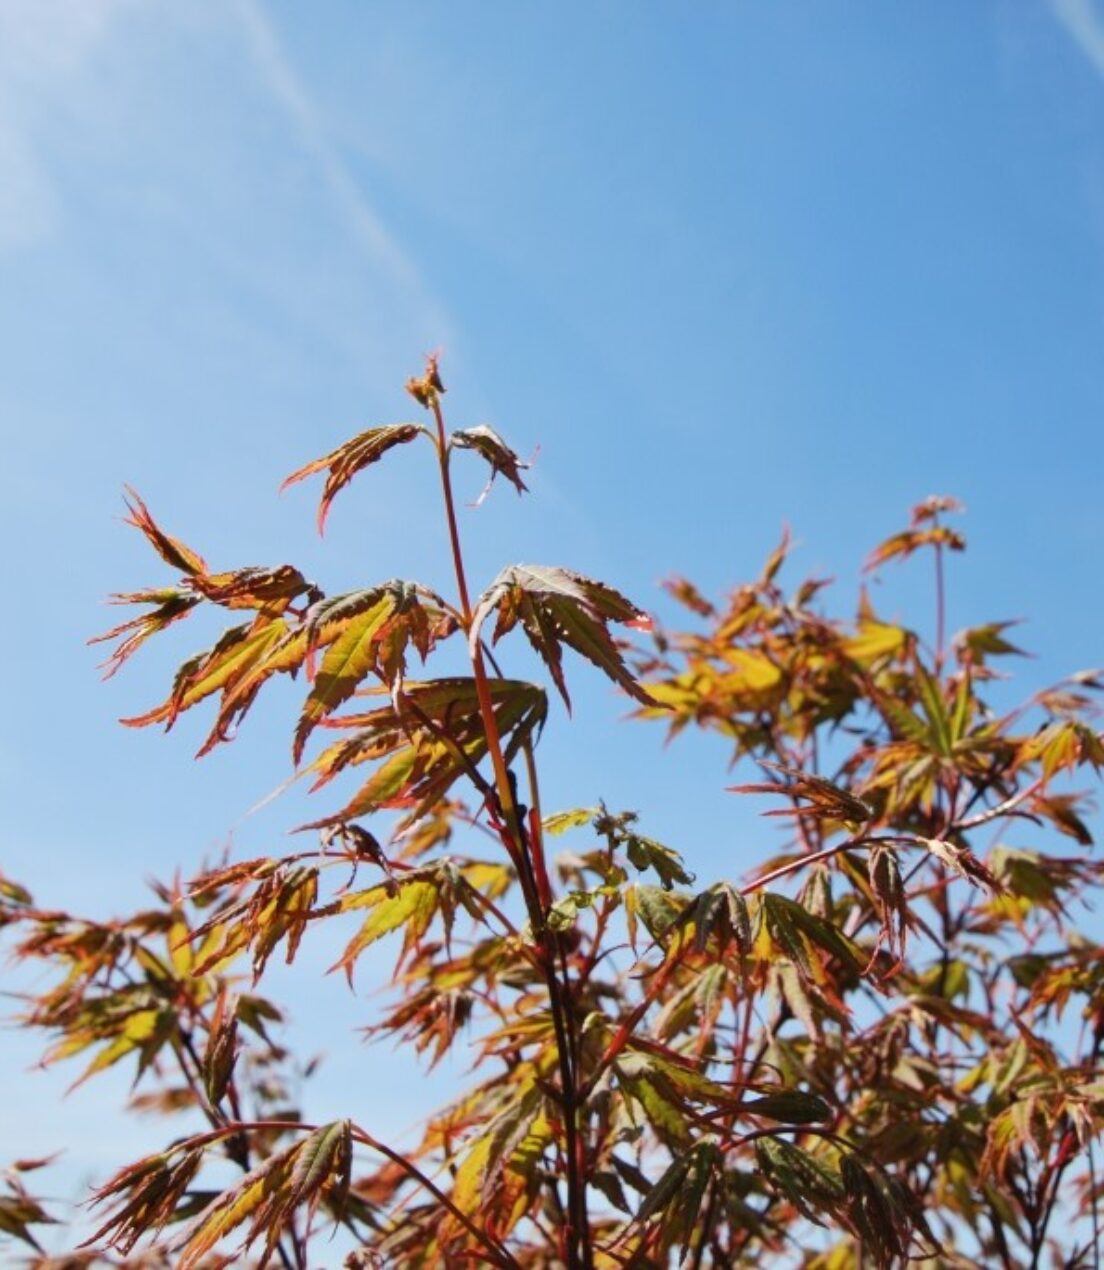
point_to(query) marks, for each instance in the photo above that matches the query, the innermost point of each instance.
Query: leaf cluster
(858, 1053)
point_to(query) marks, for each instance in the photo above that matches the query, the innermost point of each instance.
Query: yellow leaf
(753, 671)
(231, 1208)
(875, 640)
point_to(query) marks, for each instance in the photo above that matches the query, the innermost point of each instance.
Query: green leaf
(646, 853)
(659, 1198)
(661, 1105)
(412, 907)
(790, 1106)
(813, 1189)
(349, 659)
(655, 906)
(793, 928)
(931, 699)
(325, 1156)
(988, 641)
(723, 912)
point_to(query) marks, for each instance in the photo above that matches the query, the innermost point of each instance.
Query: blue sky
(727, 266)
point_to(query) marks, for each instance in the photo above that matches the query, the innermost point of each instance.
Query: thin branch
(500, 1256)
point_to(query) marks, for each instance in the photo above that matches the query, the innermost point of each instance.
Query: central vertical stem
(578, 1250)
(940, 605)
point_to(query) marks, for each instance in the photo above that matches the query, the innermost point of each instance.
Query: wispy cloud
(1085, 23)
(48, 53)
(43, 45)
(372, 237)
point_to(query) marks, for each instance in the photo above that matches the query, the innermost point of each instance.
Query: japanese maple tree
(882, 1045)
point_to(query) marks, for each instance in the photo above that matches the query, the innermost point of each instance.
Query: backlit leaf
(555, 607)
(486, 442)
(171, 550)
(417, 765)
(347, 460)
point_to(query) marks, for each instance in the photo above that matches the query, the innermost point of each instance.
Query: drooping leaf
(796, 931)
(147, 1195)
(655, 906)
(323, 622)
(825, 800)
(347, 460)
(278, 908)
(722, 913)
(811, 1186)
(171, 550)
(486, 442)
(889, 894)
(410, 908)
(646, 853)
(258, 1194)
(961, 860)
(325, 1156)
(881, 1212)
(170, 605)
(790, 1106)
(220, 1053)
(425, 739)
(218, 669)
(19, 1211)
(556, 606)
(676, 1199)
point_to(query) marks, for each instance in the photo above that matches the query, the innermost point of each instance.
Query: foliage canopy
(883, 1045)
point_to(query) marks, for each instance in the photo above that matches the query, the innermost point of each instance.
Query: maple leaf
(962, 861)
(147, 1194)
(171, 550)
(910, 540)
(428, 736)
(170, 605)
(376, 627)
(219, 668)
(270, 590)
(556, 606)
(826, 801)
(486, 442)
(347, 460)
